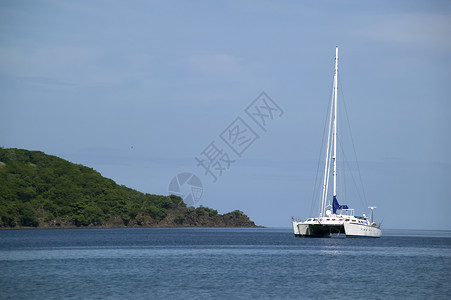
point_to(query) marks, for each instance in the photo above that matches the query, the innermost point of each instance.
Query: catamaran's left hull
(316, 230)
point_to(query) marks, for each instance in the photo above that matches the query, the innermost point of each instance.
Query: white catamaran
(335, 218)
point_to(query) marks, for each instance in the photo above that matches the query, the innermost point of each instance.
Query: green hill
(40, 190)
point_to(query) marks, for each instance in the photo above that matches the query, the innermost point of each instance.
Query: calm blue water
(206, 263)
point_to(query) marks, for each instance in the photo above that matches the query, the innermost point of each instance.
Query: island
(38, 190)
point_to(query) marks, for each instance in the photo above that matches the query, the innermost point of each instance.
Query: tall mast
(331, 150)
(335, 122)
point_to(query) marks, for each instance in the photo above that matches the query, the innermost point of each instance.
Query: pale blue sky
(138, 89)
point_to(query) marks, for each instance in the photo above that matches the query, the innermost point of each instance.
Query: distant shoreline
(124, 227)
(44, 191)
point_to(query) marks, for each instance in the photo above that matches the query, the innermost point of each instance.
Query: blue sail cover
(336, 205)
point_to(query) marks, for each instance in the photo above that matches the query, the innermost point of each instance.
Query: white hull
(300, 229)
(359, 230)
(318, 228)
(304, 229)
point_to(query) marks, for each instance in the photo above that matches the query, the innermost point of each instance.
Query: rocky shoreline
(43, 191)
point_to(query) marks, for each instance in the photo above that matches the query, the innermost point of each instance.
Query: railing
(346, 212)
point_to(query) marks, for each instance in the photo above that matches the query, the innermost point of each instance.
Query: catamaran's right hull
(359, 230)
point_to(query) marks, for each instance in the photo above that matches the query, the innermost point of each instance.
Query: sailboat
(335, 218)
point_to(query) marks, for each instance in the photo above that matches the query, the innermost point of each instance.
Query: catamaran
(334, 218)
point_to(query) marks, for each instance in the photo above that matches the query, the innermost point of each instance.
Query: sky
(227, 100)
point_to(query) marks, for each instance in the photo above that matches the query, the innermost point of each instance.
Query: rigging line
(346, 162)
(329, 160)
(341, 166)
(317, 186)
(353, 145)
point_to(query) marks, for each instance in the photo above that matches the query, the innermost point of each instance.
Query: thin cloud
(80, 65)
(424, 30)
(215, 63)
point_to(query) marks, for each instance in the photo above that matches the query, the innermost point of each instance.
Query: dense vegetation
(39, 190)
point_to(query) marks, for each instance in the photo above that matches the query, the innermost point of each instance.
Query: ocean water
(221, 263)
